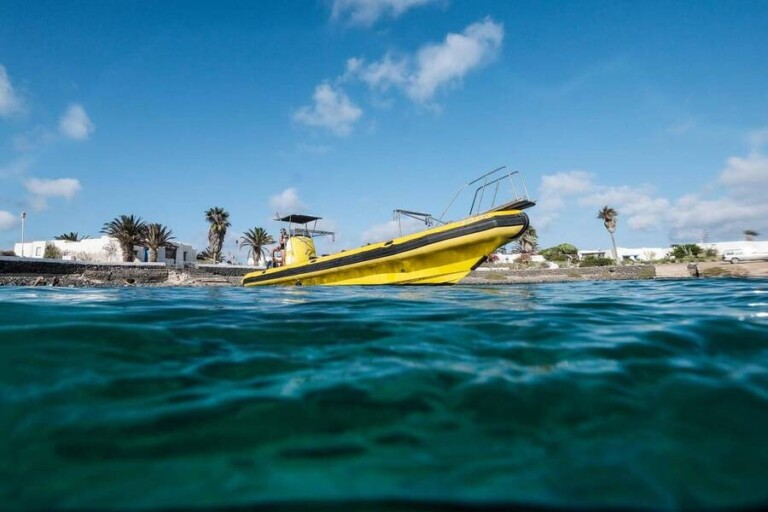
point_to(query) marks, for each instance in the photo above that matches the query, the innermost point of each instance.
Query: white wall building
(749, 246)
(628, 254)
(512, 257)
(105, 249)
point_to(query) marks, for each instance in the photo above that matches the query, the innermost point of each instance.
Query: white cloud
(446, 63)
(368, 12)
(642, 210)
(287, 202)
(692, 214)
(75, 123)
(555, 189)
(566, 184)
(747, 172)
(379, 75)
(10, 101)
(740, 202)
(42, 190)
(63, 187)
(332, 110)
(7, 220)
(434, 66)
(391, 229)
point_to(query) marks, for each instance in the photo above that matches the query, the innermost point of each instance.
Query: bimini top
(297, 218)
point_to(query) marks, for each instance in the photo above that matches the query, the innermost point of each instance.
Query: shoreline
(35, 272)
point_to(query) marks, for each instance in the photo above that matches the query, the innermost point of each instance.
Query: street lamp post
(23, 218)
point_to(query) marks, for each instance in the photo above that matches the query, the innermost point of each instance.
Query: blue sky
(350, 108)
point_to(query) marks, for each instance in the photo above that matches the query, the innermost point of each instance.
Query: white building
(628, 254)
(105, 249)
(512, 257)
(749, 246)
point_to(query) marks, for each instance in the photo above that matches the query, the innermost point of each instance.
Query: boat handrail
(477, 204)
(426, 218)
(311, 233)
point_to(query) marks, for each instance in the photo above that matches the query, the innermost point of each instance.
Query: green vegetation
(206, 257)
(52, 252)
(609, 217)
(647, 272)
(527, 245)
(256, 239)
(562, 252)
(750, 234)
(596, 262)
(218, 218)
(685, 251)
(7, 253)
(156, 236)
(129, 232)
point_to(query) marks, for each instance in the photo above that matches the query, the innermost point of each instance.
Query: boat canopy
(298, 218)
(303, 228)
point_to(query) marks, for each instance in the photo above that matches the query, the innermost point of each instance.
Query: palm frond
(72, 236)
(256, 238)
(157, 236)
(206, 254)
(129, 231)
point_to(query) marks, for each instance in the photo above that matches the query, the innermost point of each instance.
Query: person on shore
(280, 247)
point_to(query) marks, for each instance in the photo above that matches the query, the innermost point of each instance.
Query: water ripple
(650, 394)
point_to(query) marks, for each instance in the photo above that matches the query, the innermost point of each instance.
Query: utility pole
(23, 217)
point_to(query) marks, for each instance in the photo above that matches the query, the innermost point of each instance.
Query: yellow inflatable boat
(443, 254)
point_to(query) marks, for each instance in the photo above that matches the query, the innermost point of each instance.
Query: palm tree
(256, 239)
(219, 221)
(527, 244)
(206, 255)
(608, 216)
(157, 236)
(71, 237)
(750, 234)
(129, 231)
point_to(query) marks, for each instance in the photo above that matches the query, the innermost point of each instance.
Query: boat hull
(441, 255)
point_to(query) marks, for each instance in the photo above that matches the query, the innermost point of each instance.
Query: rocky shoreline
(31, 272)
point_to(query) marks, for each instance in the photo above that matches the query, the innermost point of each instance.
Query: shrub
(7, 253)
(681, 251)
(84, 256)
(52, 252)
(596, 262)
(647, 272)
(560, 252)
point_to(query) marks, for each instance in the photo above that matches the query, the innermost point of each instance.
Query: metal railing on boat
(491, 182)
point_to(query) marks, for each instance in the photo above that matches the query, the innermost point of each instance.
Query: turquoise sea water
(621, 394)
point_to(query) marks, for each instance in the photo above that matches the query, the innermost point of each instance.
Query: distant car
(737, 255)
